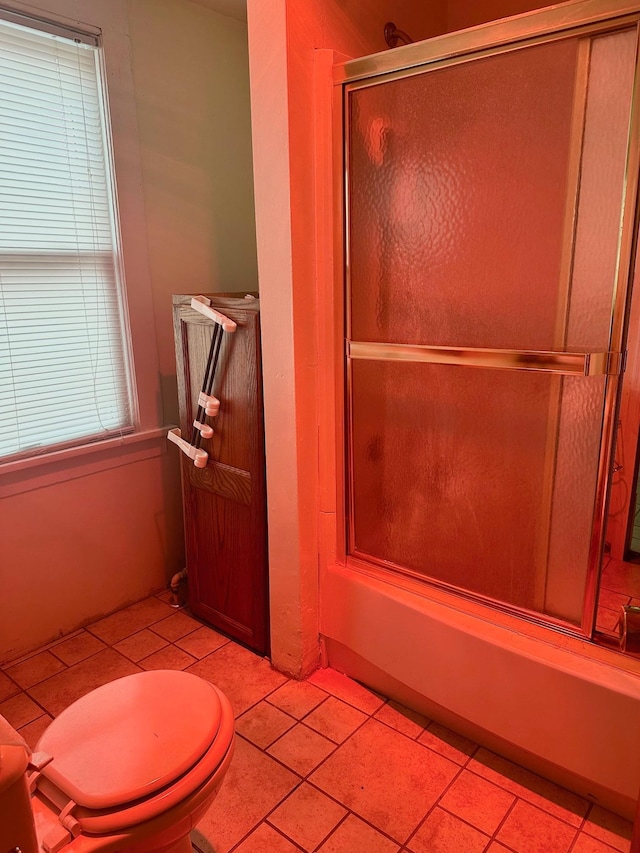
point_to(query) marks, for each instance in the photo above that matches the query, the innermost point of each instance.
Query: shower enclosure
(490, 198)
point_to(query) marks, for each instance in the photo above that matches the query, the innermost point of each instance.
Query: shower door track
(582, 18)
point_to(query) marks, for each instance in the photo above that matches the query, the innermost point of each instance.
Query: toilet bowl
(131, 766)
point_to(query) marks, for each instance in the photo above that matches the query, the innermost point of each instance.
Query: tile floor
(619, 585)
(322, 765)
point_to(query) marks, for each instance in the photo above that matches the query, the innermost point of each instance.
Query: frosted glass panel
(435, 451)
(579, 425)
(451, 476)
(601, 188)
(457, 202)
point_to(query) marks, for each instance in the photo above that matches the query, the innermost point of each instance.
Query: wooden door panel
(221, 563)
(225, 502)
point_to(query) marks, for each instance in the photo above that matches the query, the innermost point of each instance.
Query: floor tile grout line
(335, 745)
(586, 817)
(572, 846)
(332, 832)
(304, 776)
(35, 702)
(254, 828)
(46, 714)
(265, 698)
(501, 824)
(15, 684)
(349, 812)
(519, 796)
(281, 801)
(306, 714)
(342, 699)
(433, 806)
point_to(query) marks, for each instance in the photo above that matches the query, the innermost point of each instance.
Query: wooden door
(225, 502)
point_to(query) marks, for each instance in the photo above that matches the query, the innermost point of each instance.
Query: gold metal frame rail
(566, 363)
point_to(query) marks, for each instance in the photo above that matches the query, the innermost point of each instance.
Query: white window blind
(64, 374)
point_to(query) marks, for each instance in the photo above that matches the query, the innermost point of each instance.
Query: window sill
(37, 472)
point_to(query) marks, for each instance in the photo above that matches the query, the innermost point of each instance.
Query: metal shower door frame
(580, 18)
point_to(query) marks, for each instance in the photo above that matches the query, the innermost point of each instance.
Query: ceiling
(232, 8)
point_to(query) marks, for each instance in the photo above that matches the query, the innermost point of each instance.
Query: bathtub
(560, 706)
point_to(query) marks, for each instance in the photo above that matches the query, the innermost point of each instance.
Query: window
(64, 358)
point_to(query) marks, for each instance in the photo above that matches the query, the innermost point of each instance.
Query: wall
(191, 74)
(86, 531)
(283, 40)
(470, 13)
(78, 549)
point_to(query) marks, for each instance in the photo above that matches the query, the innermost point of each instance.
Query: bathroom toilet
(131, 766)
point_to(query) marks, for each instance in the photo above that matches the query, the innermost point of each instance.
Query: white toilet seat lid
(130, 738)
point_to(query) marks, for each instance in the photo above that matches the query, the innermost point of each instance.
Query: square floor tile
(35, 669)
(335, 719)
(346, 689)
(396, 783)
(621, 577)
(202, 642)
(171, 657)
(134, 618)
(263, 724)
(443, 833)
(307, 816)
(33, 731)
(354, 835)
(608, 620)
(297, 698)
(140, 645)
(19, 710)
(58, 692)
(402, 719)
(244, 677)
(176, 626)
(253, 786)
(527, 829)
(612, 600)
(7, 687)
(588, 844)
(448, 743)
(167, 596)
(528, 786)
(301, 749)
(77, 648)
(477, 801)
(265, 839)
(609, 828)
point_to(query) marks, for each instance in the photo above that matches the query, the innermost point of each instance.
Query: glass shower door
(484, 209)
